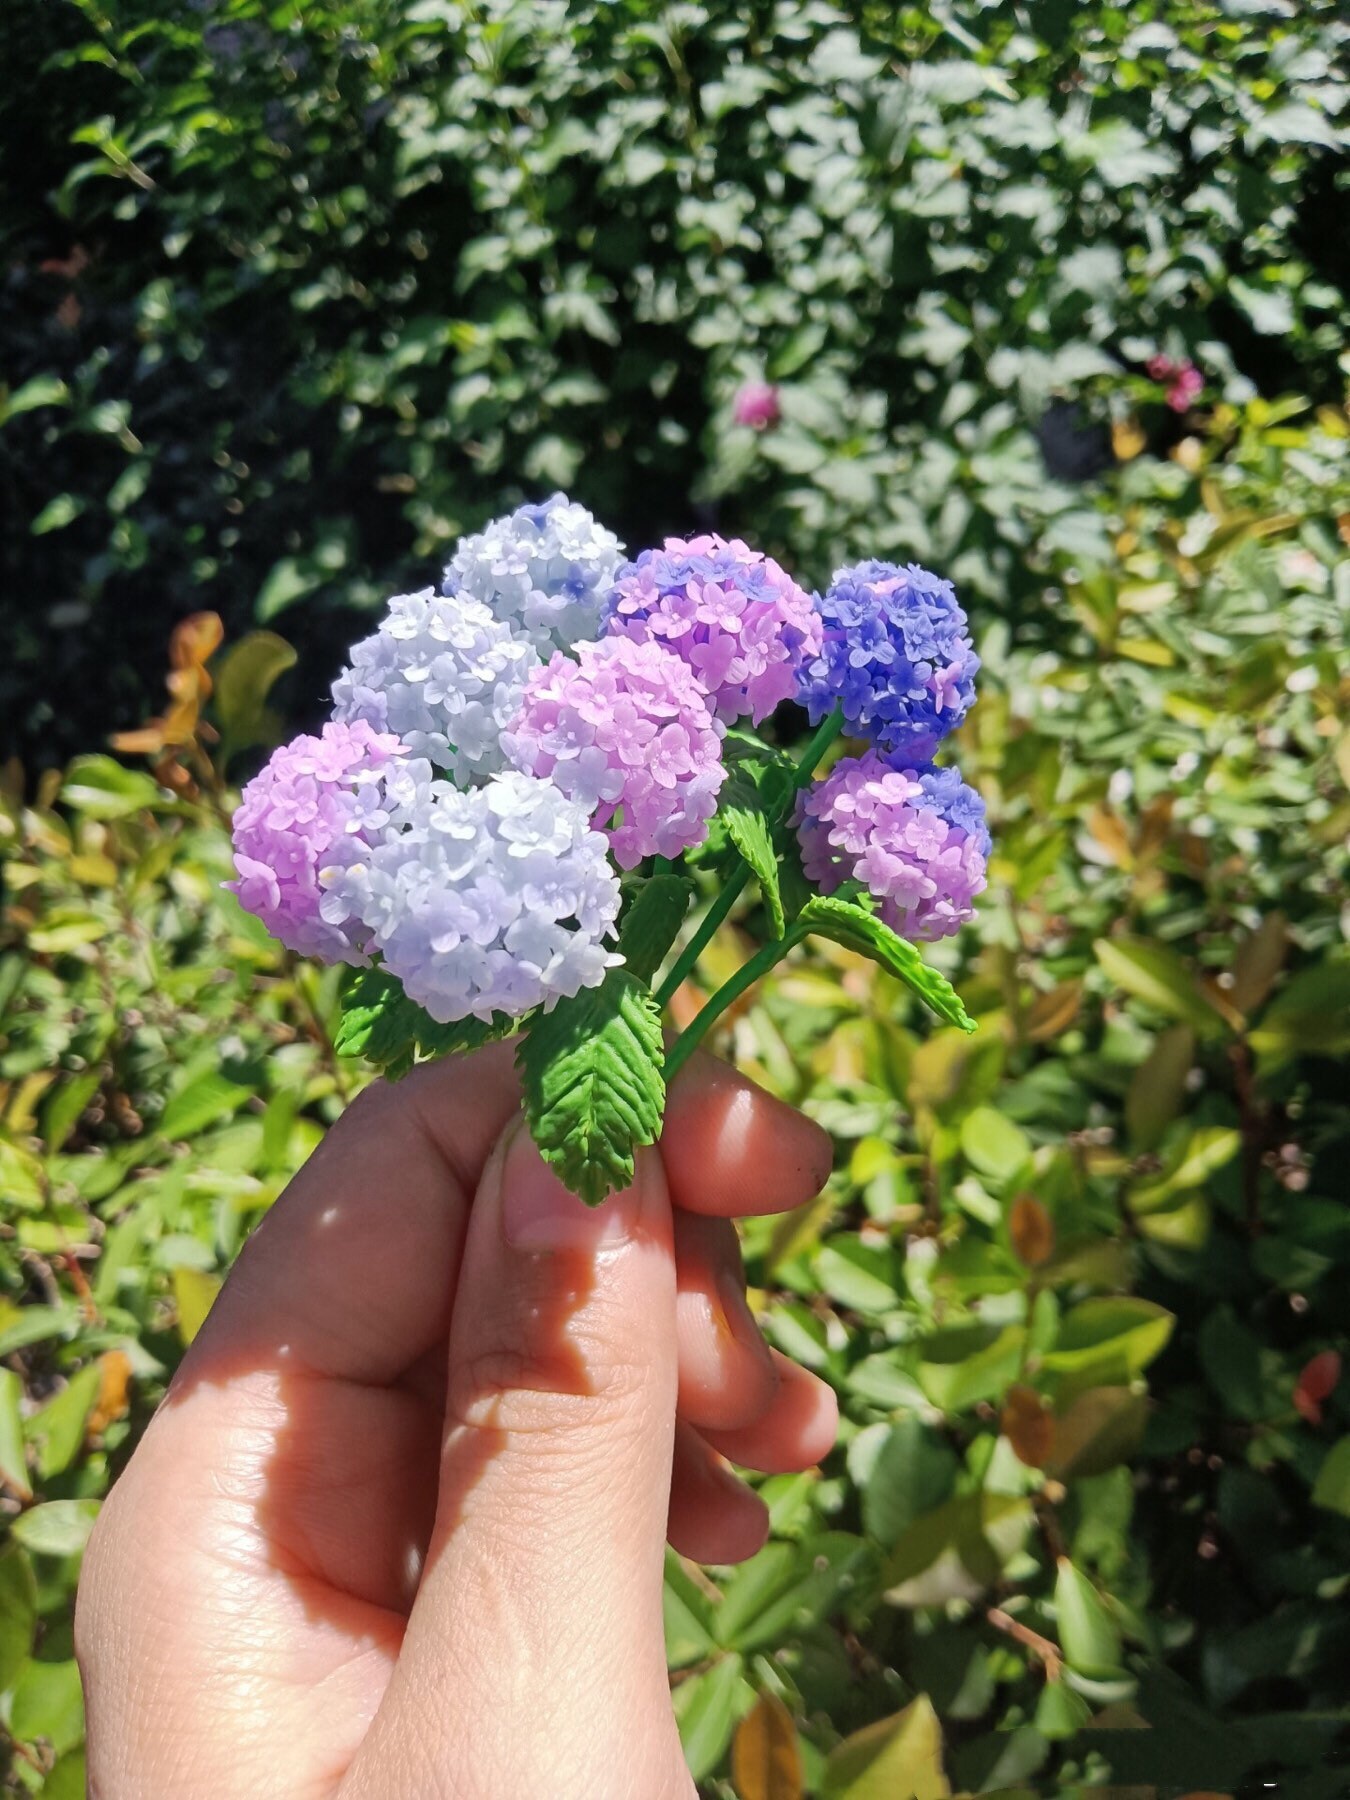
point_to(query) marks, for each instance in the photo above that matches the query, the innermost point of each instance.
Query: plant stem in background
(724, 902)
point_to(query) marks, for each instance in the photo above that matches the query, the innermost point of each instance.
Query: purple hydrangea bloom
(442, 673)
(544, 570)
(896, 655)
(739, 620)
(496, 900)
(915, 837)
(316, 806)
(626, 726)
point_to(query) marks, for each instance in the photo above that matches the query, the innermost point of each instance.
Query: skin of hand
(397, 1531)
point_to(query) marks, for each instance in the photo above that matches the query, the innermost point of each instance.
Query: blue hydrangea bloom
(896, 655)
(957, 803)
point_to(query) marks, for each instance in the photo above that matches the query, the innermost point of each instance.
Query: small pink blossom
(757, 405)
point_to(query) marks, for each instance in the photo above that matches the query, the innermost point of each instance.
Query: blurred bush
(1079, 1280)
(293, 295)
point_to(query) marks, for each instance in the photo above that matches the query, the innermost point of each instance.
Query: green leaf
(48, 1703)
(706, 1709)
(687, 1614)
(201, 1103)
(40, 390)
(957, 1550)
(593, 1088)
(993, 1144)
(1157, 1087)
(1156, 974)
(18, 1613)
(60, 1528)
(749, 825)
(851, 925)
(652, 922)
(1060, 1712)
(244, 677)
(1109, 1341)
(1101, 1428)
(912, 1475)
(13, 1462)
(961, 1365)
(891, 1758)
(1332, 1487)
(380, 1023)
(1088, 1635)
(103, 789)
(194, 1294)
(1231, 1358)
(57, 1429)
(59, 512)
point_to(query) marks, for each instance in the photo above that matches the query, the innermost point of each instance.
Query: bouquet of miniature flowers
(536, 775)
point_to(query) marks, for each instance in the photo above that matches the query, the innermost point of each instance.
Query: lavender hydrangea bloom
(896, 656)
(915, 837)
(318, 804)
(494, 900)
(442, 673)
(543, 570)
(625, 726)
(739, 620)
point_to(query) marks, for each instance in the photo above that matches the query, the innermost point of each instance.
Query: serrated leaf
(847, 923)
(594, 1090)
(380, 1023)
(749, 826)
(652, 922)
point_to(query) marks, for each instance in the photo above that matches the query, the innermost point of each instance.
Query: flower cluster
(896, 655)
(493, 901)
(544, 570)
(444, 675)
(626, 729)
(915, 837)
(740, 621)
(315, 807)
(501, 749)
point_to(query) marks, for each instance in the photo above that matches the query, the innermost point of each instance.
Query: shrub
(295, 295)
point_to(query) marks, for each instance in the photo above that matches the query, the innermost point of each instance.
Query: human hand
(396, 1532)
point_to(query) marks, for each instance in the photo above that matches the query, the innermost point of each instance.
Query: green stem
(745, 977)
(722, 905)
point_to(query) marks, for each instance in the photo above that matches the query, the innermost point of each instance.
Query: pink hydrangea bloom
(757, 405)
(740, 621)
(316, 806)
(626, 730)
(915, 837)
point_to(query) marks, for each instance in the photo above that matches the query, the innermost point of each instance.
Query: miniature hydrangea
(490, 901)
(896, 656)
(442, 673)
(737, 618)
(544, 570)
(915, 837)
(318, 804)
(625, 729)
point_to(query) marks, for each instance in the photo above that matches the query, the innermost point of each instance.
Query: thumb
(534, 1658)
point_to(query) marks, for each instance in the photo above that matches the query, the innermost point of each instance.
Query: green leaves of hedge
(849, 923)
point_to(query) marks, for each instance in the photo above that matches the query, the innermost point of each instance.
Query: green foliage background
(292, 298)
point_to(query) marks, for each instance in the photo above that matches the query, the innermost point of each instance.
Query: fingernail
(539, 1214)
(736, 1309)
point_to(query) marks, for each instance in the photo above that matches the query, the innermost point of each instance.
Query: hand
(396, 1532)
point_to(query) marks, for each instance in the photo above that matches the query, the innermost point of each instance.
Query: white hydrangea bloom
(444, 675)
(494, 900)
(545, 570)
